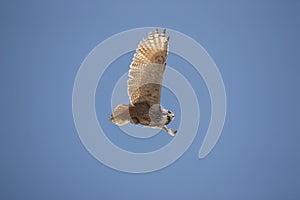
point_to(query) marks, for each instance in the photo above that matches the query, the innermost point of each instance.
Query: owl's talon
(172, 133)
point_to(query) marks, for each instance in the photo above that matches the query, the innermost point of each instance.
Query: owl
(144, 86)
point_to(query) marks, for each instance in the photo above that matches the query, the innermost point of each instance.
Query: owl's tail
(121, 115)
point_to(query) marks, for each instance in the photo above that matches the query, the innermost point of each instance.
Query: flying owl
(144, 86)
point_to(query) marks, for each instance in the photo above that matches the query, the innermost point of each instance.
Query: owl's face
(168, 116)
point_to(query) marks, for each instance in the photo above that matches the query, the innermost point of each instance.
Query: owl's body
(144, 86)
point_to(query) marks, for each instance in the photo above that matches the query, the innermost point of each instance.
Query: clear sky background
(255, 45)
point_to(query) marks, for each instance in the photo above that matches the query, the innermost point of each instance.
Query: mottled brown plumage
(139, 114)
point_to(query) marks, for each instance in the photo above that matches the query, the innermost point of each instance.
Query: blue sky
(255, 45)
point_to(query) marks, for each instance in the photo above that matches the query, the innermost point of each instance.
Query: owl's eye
(168, 120)
(169, 112)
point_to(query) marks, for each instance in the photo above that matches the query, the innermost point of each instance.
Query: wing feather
(147, 68)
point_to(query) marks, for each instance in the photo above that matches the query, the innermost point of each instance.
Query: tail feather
(121, 115)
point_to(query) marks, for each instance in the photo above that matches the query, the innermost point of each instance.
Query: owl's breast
(139, 114)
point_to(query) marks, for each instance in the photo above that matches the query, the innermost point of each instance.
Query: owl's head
(168, 115)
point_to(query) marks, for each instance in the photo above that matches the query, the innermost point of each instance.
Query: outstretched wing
(147, 68)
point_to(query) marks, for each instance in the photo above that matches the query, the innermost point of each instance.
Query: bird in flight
(144, 86)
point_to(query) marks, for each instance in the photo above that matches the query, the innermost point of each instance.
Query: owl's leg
(172, 133)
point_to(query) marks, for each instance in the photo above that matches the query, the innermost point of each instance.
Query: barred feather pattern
(147, 68)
